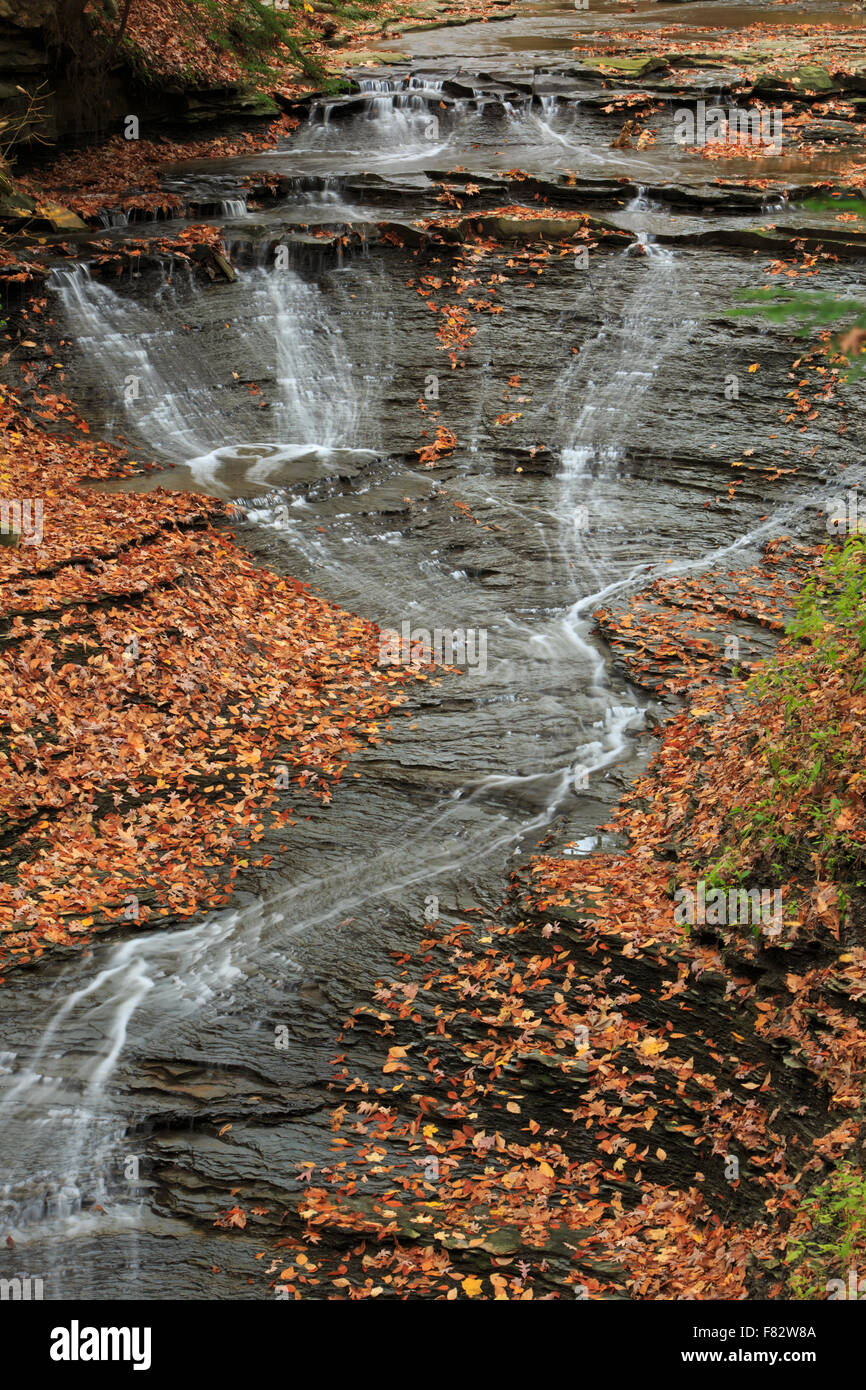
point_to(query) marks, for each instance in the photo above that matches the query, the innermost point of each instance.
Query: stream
(119, 1071)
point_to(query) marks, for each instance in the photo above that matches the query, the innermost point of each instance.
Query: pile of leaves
(794, 805)
(675, 634)
(16, 268)
(125, 175)
(163, 701)
(223, 42)
(578, 1096)
(199, 246)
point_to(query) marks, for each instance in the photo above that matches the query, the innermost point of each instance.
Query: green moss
(631, 67)
(809, 78)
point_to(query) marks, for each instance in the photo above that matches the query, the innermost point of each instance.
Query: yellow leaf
(471, 1287)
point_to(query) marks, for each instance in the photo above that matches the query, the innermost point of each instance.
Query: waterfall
(174, 391)
(78, 1164)
(616, 368)
(233, 207)
(276, 390)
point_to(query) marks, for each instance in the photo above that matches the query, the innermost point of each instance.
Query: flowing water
(119, 1071)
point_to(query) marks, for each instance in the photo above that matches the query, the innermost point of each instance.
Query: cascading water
(162, 389)
(133, 1044)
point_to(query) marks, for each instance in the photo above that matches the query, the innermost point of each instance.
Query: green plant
(828, 1236)
(817, 310)
(803, 814)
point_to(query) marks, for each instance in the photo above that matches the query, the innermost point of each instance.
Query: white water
(156, 976)
(63, 1116)
(160, 378)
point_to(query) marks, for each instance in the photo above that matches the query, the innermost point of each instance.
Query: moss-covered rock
(639, 66)
(810, 78)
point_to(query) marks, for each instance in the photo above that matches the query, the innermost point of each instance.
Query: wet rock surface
(192, 1063)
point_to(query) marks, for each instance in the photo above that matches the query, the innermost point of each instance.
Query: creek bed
(121, 1070)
